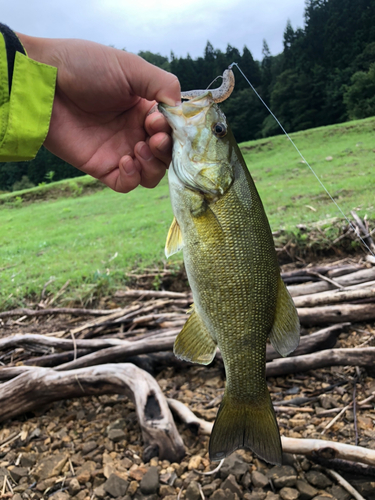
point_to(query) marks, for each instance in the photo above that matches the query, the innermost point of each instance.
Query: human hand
(100, 122)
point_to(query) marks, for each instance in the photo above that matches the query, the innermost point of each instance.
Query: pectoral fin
(284, 335)
(194, 343)
(174, 241)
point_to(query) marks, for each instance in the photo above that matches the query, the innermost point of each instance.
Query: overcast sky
(161, 26)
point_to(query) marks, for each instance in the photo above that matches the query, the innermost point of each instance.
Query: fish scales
(231, 263)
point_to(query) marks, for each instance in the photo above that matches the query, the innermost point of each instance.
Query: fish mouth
(188, 109)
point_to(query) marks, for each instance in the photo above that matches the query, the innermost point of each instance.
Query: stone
(259, 480)
(116, 435)
(116, 486)
(82, 495)
(60, 495)
(166, 490)
(194, 462)
(141, 496)
(133, 486)
(208, 489)
(324, 497)
(49, 466)
(120, 423)
(100, 492)
(17, 472)
(338, 492)
(46, 484)
(192, 491)
(287, 493)
(74, 486)
(282, 475)
(150, 481)
(305, 489)
(84, 472)
(230, 484)
(318, 479)
(219, 495)
(17, 496)
(88, 447)
(257, 494)
(28, 460)
(246, 480)
(234, 464)
(272, 496)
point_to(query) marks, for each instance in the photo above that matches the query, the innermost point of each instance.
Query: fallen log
(34, 341)
(73, 311)
(322, 339)
(120, 352)
(290, 445)
(334, 357)
(331, 271)
(322, 457)
(354, 313)
(152, 293)
(336, 450)
(39, 386)
(362, 276)
(333, 297)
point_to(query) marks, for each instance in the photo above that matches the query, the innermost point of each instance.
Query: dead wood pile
(118, 350)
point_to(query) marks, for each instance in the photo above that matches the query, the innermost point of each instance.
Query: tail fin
(246, 426)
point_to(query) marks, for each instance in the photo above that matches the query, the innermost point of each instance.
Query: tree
(359, 97)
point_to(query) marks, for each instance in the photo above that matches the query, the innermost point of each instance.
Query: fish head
(201, 145)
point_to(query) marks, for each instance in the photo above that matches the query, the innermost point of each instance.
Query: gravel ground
(92, 447)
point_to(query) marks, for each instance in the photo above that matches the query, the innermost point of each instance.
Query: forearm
(26, 100)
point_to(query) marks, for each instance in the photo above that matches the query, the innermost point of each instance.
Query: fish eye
(219, 129)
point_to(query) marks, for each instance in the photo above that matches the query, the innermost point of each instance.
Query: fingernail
(128, 166)
(163, 146)
(145, 152)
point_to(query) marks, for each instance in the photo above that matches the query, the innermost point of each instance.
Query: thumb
(152, 83)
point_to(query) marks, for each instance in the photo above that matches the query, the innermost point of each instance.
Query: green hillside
(93, 237)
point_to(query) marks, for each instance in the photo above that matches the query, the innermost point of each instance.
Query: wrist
(36, 48)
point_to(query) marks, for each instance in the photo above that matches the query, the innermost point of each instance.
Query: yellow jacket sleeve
(25, 112)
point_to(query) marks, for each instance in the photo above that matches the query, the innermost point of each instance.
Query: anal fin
(285, 332)
(194, 343)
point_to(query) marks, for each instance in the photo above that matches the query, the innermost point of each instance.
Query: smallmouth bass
(230, 260)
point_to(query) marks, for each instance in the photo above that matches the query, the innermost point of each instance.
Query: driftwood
(290, 445)
(39, 386)
(323, 457)
(336, 450)
(362, 229)
(310, 273)
(151, 293)
(120, 353)
(333, 297)
(359, 277)
(58, 310)
(311, 316)
(344, 483)
(333, 357)
(322, 339)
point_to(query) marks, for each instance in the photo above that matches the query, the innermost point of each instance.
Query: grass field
(94, 239)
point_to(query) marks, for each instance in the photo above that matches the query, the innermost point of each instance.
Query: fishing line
(303, 158)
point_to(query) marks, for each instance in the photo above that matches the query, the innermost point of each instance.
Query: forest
(324, 75)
